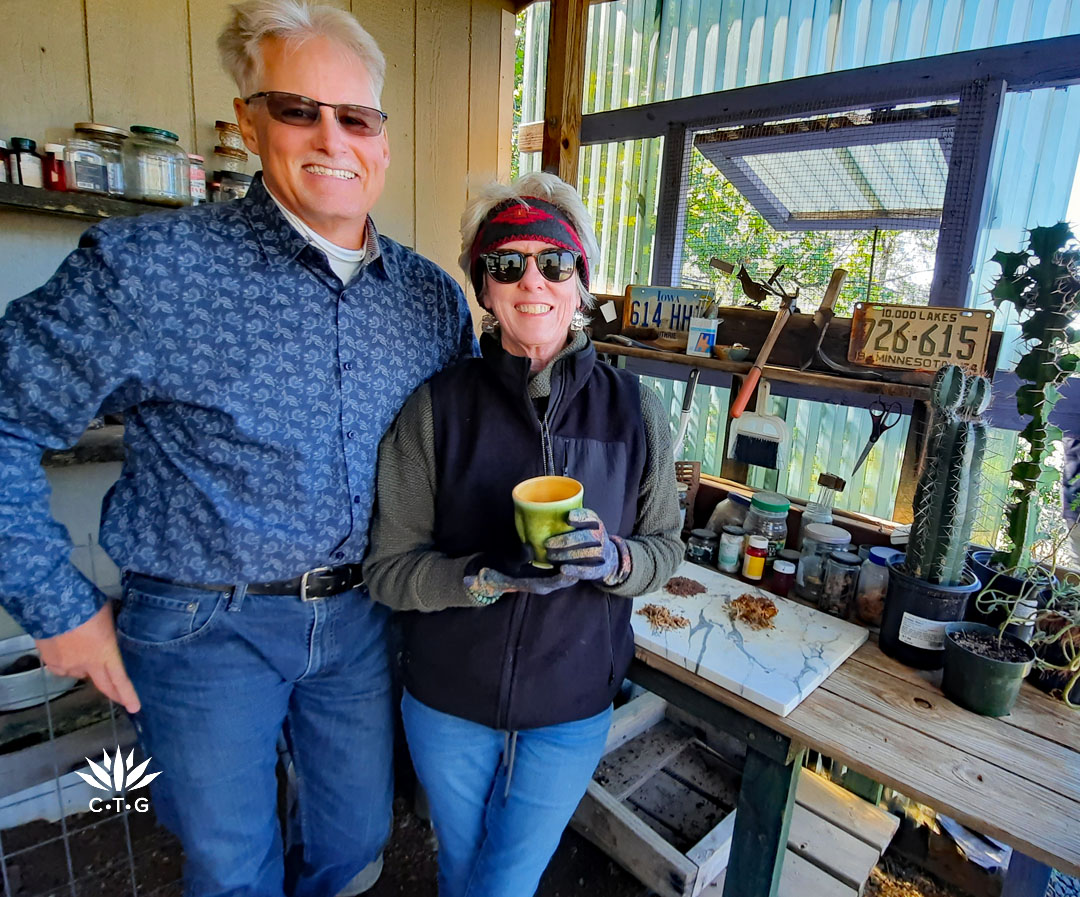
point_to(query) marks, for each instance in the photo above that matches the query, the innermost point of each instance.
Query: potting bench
(1016, 779)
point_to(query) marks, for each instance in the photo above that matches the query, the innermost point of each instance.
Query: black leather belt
(321, 582)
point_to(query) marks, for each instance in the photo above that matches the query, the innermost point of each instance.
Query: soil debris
(684, 587)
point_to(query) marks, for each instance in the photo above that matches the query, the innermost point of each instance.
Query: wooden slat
(624, 769)
(633, 718)
(846, 811)
(688, 812)
(531, 137)
(1040, 821)
(565, 74)
(637, 848)
(799, 878)
(1039, 759)
(712, 852)
(707, 773)
(843, 856)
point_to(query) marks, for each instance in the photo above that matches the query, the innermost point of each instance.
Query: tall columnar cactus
(946, 497)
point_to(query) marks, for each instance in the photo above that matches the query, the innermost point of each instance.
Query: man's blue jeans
(499, 812)
(219, 679)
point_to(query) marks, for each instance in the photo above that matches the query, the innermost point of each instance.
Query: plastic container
(197, 179)
(729, 554)
(767, 517)
(731, 511)
(155, 167)
(24, 164)
(109, 147)
(841, 580)
(981, 684)
(873, 586)
(783, 577)
(819, 540)
(701, 547)
(87, 170)
(916, 613)
(753, 566)
(53, 167)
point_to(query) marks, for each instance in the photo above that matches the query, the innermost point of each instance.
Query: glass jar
(4, 153)
(815, 513)
(228, 134)
(730, 512)
(768, 517)
(783, 578)
(819, 540)
(155, 167)
(197, 179)
(109, 142)
(24, 164)
(841, 580)
(53, 167)
(701, 547)
(229, 159)
(85, 166)
(873, 586)
(729, 552)
(753, 565)
(682, 490)
(226, 185)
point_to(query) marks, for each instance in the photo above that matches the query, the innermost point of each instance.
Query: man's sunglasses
(508, 265)
(303, 112)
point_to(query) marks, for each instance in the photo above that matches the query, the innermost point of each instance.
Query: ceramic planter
(982, 684)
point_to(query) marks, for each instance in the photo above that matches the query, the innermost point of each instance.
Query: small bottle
(730, 551)
(841, 579)
(701, 547)
(783, 577)
(24, 163)
(753, 567)
(53, 167)
(873, 586)
(197, 177)
(4, 153)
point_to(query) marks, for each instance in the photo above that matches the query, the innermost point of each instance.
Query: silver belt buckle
(304, 582)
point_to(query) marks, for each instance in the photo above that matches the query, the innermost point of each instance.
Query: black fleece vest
(526, 660)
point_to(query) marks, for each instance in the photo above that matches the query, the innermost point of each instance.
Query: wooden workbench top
(1016, 778)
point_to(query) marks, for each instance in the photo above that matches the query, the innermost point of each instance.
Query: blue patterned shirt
(255, 389)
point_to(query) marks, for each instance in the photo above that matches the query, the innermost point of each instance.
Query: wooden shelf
(70, 205)
(97, 446)
(771, 372)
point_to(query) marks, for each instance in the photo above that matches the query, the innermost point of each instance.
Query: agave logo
(118, 776)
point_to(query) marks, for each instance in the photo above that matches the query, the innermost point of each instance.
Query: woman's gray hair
(294, 21)
(544, 186)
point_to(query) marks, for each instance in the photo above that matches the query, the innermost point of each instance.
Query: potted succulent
(930, 585)
(1042, 282)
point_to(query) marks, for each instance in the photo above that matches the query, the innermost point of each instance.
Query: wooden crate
(662, 804)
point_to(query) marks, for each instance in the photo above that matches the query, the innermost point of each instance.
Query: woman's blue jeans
(220, 677)
(499, 813)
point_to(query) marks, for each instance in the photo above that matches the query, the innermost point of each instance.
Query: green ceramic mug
(540, 508)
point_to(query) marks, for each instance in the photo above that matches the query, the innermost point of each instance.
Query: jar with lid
(768, 517)
(52, 167)
(155, 167)
(729, 552)
(701, 546)
(873, 586)
(84, 162)
(841, 579)
(229, 159)
(819, 540)
(820, 510)
(783, 577)
(730, 512)
(24, 164)
(226, 185)
(197, 179)
(107, 143)
(753, 564)
(228, 134)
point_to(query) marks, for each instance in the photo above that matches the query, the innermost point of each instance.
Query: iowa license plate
(919, 337)
(668, 309)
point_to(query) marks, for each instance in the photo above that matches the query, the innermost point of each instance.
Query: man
(259, 350)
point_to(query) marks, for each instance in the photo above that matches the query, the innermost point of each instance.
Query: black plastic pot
(979, 562)
(913, 624)
(982, 684)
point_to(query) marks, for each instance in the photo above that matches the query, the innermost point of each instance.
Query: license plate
(919, 337)
(668, 309)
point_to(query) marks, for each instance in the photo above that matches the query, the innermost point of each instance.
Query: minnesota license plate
(668, 309)
(919, 337)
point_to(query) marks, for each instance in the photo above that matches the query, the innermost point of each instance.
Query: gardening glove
(589, 551)
(489, 576)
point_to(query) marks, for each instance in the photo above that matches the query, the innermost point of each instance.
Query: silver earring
(489, 323)
(577, 321)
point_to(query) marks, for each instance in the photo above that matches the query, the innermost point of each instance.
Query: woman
(510, 673)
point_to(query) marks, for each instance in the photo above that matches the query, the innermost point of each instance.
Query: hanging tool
(824, 314)
(684, 415)
(757, 437)
(883, 417)
(787, 308)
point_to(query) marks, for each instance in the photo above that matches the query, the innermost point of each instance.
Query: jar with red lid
(53, 167)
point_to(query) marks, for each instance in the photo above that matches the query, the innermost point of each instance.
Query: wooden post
(565, 82)
(913, 452)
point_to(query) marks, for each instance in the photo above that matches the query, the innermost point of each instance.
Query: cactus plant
(947, 492)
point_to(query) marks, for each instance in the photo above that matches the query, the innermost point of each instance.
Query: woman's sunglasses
(303, 112)
(508, 265)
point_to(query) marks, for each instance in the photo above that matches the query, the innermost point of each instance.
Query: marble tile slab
(775, 668)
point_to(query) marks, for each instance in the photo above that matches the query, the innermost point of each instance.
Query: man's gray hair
(294, 21)
(544, 186)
